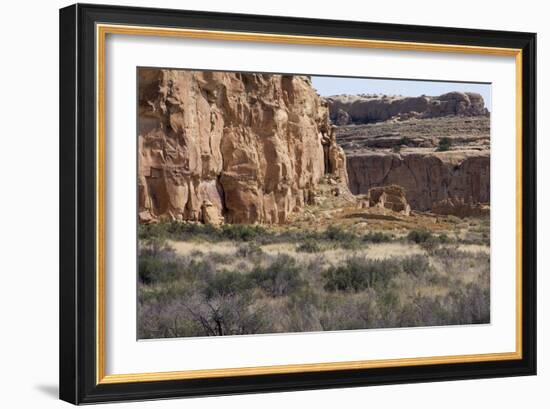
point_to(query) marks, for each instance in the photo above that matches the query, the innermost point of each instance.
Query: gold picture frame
(98, 20)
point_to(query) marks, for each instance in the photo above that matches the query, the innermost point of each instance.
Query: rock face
(347, 109)
(460, 208)
(389, 197)
(242, 148)
(427, 177)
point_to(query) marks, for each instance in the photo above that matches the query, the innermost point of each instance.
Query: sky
(327, 86)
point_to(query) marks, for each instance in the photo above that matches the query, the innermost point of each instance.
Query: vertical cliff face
(233, 147)
(428, 178)
(441, 162)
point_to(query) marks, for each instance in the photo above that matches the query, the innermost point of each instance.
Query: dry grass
(270, 282)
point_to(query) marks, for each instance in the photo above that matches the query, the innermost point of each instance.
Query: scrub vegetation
(200, 280)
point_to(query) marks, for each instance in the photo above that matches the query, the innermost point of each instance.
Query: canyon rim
(266, 205)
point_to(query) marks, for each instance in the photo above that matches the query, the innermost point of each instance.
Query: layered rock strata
(347, 109)
(231, 147)
(426, 177)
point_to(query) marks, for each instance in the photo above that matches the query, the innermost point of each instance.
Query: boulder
(342, 118)
(210, 214)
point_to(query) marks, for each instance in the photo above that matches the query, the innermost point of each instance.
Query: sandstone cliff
(427, 177)
(347, 109)
(248, 148)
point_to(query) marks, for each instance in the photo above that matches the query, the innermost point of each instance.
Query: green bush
(428, 241)
(157, 261)
(405, 141)
(242, 232)
(353, 244)
(226, 283)
(430, 245)
(309, 246)
(444, 144)
(415, 265)
(249, 250)
(419, 236)
(336, 233)
(377, 237)
(360, 273)
(281, 277)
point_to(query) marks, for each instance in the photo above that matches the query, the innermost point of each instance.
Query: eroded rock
(427, 177)
(389, 197)
(460, 208)
(251, 146)
(345, 109)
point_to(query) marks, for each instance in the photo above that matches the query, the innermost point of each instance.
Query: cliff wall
(231, 147)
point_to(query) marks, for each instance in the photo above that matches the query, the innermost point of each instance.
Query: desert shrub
(419, 236)
(249, 250)
(405, 141)
(473, 237)
(146, 231)
(197, 270)
(157, 261)
(415, 265)
(281, 277)
(198, 231)
(396, 148)
(164, 320)
(219, 258)
(226, 283)
(336, 233)
(313, 268)
(359, 273)
(435, 278)
(301, 311)
(309, 246)
(353, 244)
(389, 308)
(444, 144)
(469, 305)
(430, 245)
(449, 253)
(377, 237)
(186, 231)
(196, 316)
(235, 314)
(458, 261)
(150, 268)
(423, 311)
(242, 232)
(197, 253)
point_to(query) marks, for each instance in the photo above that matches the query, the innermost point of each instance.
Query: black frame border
(78, 198)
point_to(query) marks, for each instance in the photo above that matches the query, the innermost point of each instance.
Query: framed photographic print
(258, 203)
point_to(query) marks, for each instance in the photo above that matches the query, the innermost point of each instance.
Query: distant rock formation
(347, 109)
(389, 197)
(426, 177)
(239, 148)
(460, 208)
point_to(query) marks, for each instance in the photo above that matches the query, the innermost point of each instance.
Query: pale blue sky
(327, 86)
